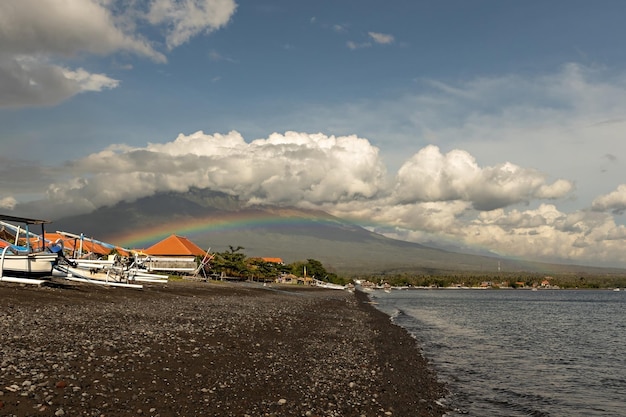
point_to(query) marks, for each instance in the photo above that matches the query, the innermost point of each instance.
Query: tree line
(513, 280)
(234, 263)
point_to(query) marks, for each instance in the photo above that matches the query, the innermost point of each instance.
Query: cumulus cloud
(432, 176)
(39, 37)
(282, 169)
(296, 168)
(614, 201)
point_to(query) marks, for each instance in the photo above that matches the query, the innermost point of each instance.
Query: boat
(115, 277)
(36, 265)
(328, 285)
(24, 263)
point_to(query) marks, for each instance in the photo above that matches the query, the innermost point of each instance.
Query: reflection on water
(519, 352)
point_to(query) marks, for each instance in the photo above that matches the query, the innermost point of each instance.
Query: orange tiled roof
(73, 245)
(273, 260)
(175, 246)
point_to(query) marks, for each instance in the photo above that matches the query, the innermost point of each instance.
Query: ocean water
(520, 352)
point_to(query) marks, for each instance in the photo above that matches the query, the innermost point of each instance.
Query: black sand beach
(200, 349)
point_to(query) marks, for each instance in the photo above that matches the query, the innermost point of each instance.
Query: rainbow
(190, 228)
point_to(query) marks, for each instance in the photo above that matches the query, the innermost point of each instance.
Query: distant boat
(616, 289)
(328, 285)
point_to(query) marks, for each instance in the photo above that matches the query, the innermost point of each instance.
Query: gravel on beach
(206, 349)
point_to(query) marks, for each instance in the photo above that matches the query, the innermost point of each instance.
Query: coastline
(206, 349)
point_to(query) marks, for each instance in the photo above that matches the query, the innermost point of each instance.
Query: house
(293, 279)
(174, 245)
(174, 253)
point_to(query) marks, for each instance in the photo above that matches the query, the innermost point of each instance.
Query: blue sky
(496, 124)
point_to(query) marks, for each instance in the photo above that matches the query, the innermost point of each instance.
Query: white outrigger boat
(108, 271)
(328, 285)
(36, 265)
(40, 258)
(113, 277)
(26, 264)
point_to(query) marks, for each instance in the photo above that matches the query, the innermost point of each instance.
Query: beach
(206, 349)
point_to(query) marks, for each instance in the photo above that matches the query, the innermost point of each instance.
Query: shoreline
(207, 349)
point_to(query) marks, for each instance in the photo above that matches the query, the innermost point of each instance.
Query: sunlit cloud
(40, 37)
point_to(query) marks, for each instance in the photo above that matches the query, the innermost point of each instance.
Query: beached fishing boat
(328, 285)
(113, 276)
(26, 262)
(34, 265)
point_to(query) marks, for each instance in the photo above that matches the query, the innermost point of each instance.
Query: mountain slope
(216, 220)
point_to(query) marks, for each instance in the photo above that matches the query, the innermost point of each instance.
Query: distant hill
(216, 220)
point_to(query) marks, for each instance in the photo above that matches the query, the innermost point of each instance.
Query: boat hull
(28, 265)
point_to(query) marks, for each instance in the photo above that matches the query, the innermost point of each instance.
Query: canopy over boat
(26, 220)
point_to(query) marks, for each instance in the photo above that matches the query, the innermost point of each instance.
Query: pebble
(222, 351)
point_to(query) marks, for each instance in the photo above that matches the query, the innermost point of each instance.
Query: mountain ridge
(290, 233)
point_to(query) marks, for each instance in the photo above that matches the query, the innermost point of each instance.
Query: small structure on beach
(174, 253)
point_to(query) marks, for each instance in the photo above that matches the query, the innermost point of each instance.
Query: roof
(74, 244)
(273, 260)
(175, 246)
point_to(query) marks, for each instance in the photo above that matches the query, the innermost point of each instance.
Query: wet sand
(206, 349)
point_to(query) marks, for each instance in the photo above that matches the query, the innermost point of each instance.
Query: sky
(490, 124)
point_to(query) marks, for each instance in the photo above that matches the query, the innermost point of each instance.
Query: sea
(520, 352)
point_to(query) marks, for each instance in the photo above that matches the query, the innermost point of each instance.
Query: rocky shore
(206, 349)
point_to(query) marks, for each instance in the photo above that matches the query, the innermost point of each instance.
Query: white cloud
(536, 122)
(28, 81)
(432, 176)
(354, 45)
(187, 18)
(284, 169)
(38, 37)
(60, 27)
(614, 201)
(381, 38)
(8, 203)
